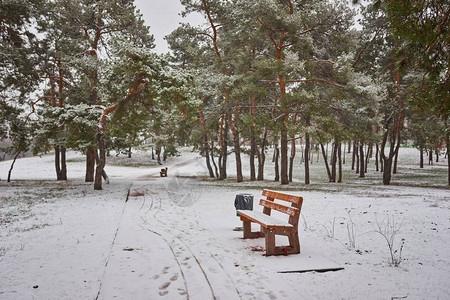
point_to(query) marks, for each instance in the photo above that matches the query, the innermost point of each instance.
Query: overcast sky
(163, 17)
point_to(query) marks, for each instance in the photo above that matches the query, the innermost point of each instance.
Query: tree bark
(340, 162)
(397, 148)
(325, 160)
(63, 164)
(277, 169)
(90, 164)
(334, 161)
(357, 157)
(262, 157)
(448, 153)
(292, 157)
(343, 154)
(284, 157)
(223, 167)
(368, 156)
(353, 155)
(361, 160)
(237, 146)
(376, 156)
(57, 163)
(307, 149)
(252, 157)
(12, 165)
(387, 160)
(158, 155)
(237, 153)
(101, 161)
(206, 152)
(421, 157)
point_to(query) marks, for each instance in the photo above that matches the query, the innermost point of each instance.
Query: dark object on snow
(313, 270)
(163, 172)
(244, 202)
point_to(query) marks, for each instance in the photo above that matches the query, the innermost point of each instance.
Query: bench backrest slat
(280, 196)
(291, 211)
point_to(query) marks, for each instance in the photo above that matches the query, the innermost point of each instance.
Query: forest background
(285, 74)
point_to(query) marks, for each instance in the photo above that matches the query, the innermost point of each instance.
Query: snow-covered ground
(174, 238)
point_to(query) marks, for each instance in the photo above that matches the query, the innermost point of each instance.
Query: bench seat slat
(264, 220)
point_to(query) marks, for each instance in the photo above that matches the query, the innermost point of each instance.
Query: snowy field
(146, 237)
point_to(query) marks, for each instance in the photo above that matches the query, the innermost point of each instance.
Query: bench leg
(294, 242)
(247, 229)
(270, 242)
(248, 234)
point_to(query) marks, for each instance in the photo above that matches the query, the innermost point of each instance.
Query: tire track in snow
(205, 262)
(177, 243)
(113, 242)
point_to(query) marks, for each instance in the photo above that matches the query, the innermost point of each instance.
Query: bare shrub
(389, 229)
(351, 232)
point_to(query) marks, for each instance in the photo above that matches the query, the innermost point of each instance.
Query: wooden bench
(163, 172)
(271, 226)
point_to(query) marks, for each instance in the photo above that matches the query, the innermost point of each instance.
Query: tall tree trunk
(302, 150)
(284, 157)
(387, 160)
(334, 160)
(101, 162)
(421, 157)
(57, 163)
(430, 157)
(277, 168)
(158, 154)
(63, 164)
(387, 171)
(340, 162)
(325, 160)
(291, 158)
(223, 168)
(397, 148)
(262, 157)
(237, 145)
(448, 151)
(237, 153)
(60, 163)
(307, 149)
(252, 157)
(368, 156)
(376, 156)
(361, 160)
(90, 164)
(357, 158)
(12, 165)
(343, 156)
(206, 152)
(353, 154)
